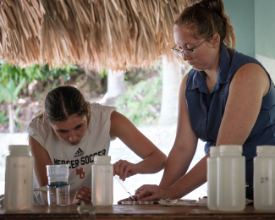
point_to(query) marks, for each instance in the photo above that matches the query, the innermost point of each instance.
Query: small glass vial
(19, 179)
(231, 178)
(102, 181)
(212, 178)
(264, 178)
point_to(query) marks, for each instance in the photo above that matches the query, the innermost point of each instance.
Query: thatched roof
(95, 33)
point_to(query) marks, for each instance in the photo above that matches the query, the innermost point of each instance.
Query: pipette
(124, 187)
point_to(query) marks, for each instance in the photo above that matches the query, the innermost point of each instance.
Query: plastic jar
(57, 174)
(59, 188)
(102, 181)
(212, 178)
(264, 178)
(19, 179)
(231, 178)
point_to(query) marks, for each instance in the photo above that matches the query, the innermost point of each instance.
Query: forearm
(190, 181)
(152, 164)
(176, 166)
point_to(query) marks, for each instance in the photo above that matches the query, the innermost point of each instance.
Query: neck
(212, 74)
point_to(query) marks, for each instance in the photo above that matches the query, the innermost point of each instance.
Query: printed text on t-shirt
(82, 161)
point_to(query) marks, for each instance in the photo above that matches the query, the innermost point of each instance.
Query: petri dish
(129, 202)
(146, 202)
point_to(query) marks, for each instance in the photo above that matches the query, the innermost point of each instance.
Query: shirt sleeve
(101, 117)
(39, 130)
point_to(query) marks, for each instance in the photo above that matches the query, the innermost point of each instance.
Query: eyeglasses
(187, 52)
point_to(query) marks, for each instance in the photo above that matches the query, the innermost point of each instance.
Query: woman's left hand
(124, 169)
(152, 193)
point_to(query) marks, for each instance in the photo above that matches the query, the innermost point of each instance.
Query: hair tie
(203, 5)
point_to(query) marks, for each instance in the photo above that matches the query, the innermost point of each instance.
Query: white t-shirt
(96, 141)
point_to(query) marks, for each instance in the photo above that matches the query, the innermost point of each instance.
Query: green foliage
(9, 92)
(34, 72)
(8, 72)
(3, 118)
(139, 104)
(13, 79)
(16, 111)
(103, 73)
(17, 120)
(54, 73)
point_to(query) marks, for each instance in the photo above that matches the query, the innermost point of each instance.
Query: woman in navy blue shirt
(227, 98)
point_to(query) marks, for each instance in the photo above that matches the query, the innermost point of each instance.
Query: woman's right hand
(124, 169)
(82, 194)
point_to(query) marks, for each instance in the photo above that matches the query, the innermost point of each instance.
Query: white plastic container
(102, 181)
(231, 178)
(19, 179)
(264, 178)
(212, 178)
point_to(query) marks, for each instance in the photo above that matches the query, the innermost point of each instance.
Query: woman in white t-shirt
(72, 131)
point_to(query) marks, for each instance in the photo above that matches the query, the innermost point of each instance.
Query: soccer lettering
(81, 161)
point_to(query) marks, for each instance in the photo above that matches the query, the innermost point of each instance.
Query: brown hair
(207, 18)
(64, 101)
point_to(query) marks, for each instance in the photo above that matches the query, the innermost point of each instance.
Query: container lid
(102, 158)
(57, 171)
(266, 149)
(19, 148)
(231, 149)
(215, 150)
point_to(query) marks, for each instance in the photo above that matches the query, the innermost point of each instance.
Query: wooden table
(143, 212)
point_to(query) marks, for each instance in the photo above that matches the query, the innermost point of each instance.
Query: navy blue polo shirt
(206, 110)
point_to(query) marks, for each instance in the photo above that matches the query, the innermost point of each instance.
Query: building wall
(242, 17)
(264, 34)
(254, 27)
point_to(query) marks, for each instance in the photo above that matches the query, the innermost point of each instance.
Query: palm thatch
(117, 34)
